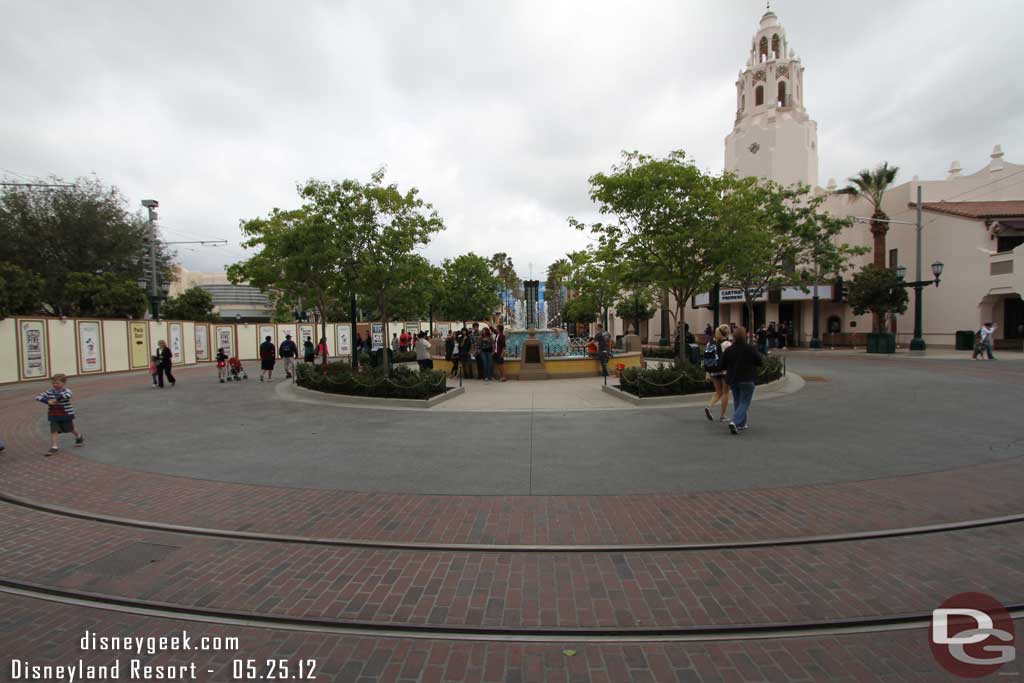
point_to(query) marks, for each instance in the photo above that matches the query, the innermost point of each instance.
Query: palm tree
(871, 185)
(506, 272)
(558, 275)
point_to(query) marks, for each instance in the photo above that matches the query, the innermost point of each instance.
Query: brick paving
(47, 633)
(988, 490)
(681, 589)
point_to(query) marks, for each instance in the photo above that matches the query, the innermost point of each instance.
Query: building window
(894, 258)
(782, 93)
(763, 51)
(775, 45)
(1008, 242)
(759, 96)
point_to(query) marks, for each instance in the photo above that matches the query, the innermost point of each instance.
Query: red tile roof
(1006, 209)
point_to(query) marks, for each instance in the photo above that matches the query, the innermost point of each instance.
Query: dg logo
(972, 635)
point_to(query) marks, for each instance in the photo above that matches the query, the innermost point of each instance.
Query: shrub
(404, 357)
(688, 379)
(659, 351)
(400, 382)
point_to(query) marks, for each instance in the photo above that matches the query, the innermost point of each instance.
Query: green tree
(878, 290)
(579, 309)
(85, 228)
(505, 270)
(595, 274)
(195, 303)
(664, 218)
(106, 295)
(771, 236)
(20, 291)
(469, 288)
(871, 185)
(637, 303)
(299, 258)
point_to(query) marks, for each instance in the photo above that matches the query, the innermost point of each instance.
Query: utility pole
(917, 343)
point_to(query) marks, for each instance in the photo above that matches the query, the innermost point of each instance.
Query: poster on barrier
(176, 343)
(377, 334)
(268, 331)
(226, 339)
(138, 340)
(306, 332)
(90, 346)
(442, 329)
(32, 338)
(343, 347)
(202, 342)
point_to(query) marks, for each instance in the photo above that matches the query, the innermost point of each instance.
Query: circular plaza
(520, 521)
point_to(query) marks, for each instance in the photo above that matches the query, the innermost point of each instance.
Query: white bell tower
(773, 138)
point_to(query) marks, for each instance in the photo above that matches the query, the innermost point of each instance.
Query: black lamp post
(917, 344)
(155, 295)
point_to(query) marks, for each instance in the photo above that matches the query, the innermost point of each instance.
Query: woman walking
(487, 352)
(163, 366)
(717, 345)
(741, 361)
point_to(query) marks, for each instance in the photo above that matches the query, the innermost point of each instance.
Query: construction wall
(34, 348)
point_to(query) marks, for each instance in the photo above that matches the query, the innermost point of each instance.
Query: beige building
(973, 224)
(231, 302)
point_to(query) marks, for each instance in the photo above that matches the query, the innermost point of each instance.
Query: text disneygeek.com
(130, 660)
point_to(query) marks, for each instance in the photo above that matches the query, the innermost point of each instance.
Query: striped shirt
(62, 410)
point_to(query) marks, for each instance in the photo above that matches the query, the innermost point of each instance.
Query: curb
(293, 392)
(789, 384)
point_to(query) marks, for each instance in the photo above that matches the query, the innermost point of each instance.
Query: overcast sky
(497, 111)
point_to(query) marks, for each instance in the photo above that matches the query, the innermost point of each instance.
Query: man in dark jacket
(268, 356)
(741, 361)
(288, 352)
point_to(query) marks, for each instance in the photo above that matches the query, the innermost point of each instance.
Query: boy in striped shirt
(60, 412)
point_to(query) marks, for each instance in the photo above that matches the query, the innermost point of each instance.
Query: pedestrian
(487, 353)
(474, 337)
(404, 341)
(396, 343)
(466, 353)
(288, 352)
(423, 358)
(308, 350)
(773, 336)
(163, 366)
(984, 338)
(222, 365)
(709, 332)
(717, 345)
(456, 344)
(449, 346)
(741, 361)
(321, 349)
(602, 340)
(268, 355)
(153, 362)
(59, 412)
(499, 352)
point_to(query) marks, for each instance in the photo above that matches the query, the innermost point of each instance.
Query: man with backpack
(288, 351)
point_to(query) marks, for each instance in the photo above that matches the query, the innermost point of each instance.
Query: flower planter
(881, 342)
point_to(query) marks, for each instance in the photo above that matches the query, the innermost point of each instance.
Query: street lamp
(917, 344)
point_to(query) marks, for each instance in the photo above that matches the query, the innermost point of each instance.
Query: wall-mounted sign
(268, 331)
(177, 344)
(138, 341)
(90, 346)
(32, 337)
(226, 339)
(202, 342)
(306, 332)
(377, 330)
(343, 334)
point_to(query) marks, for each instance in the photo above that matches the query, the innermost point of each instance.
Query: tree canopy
(469, 288)
(195, 303)
(20, 291)
(85, 228)
(878, 290)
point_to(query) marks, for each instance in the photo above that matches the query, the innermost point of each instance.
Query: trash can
(965, 340)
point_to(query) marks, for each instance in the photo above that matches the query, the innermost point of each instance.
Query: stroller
(235, 370)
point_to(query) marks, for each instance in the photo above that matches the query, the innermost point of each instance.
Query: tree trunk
(878, 231)
(681, 327)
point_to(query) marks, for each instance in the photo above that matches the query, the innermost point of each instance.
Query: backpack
(712, 357)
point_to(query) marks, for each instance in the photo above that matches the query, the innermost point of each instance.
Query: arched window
(782, 93)
(759, 96)
(743, 102)
(775, 45)
(763, 51)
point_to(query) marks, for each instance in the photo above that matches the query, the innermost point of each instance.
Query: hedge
(688, 379)
(400, 382)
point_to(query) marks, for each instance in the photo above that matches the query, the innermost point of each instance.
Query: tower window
(763, 51)
(759, 96)
(782, 93)
(775, 45)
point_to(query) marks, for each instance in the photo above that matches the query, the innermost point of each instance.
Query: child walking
(60, 412)
(153, 369)
(222, 365)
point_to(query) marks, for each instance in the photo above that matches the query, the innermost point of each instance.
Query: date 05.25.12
(273, 670)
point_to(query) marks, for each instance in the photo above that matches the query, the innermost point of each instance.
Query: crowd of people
(477, 351)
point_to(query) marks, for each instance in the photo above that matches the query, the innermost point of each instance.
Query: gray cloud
(497, 112)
